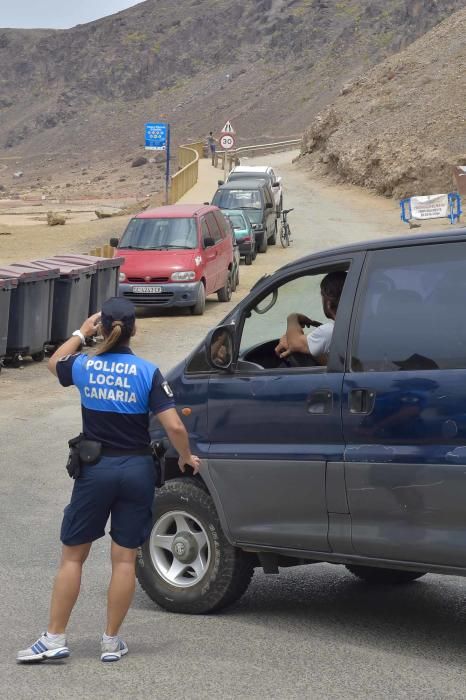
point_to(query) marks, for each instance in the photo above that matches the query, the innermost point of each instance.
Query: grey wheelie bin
(6, 287)
(29, 325)
(106, 280)
(71, 296)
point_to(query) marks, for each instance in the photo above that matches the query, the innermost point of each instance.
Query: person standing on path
(118, 392)
(212, 145)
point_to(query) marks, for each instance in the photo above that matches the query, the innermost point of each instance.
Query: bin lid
(26, 272)
(65, 269)
(101, 263)
(8, 283)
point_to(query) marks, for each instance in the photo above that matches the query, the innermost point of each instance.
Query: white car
(261, 172)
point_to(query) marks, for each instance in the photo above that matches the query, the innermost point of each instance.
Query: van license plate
(147, 290)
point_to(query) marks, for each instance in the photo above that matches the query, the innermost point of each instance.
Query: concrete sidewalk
(206, 186)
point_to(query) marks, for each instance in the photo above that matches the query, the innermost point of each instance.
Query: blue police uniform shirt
(118, 392)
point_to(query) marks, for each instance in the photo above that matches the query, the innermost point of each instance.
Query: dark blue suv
(359, 461)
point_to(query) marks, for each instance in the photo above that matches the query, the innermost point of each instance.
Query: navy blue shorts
(122, 487)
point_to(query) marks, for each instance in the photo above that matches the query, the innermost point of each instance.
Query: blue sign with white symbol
(156, 137)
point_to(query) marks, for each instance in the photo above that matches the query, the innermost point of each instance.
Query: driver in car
(316, 343)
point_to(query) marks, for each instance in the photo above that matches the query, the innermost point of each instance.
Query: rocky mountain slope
(401, 127)
(73, 103)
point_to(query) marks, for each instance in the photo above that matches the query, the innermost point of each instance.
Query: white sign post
(227, 142)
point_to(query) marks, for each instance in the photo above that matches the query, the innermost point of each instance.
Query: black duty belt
(119, 452)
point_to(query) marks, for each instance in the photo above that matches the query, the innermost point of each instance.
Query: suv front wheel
(187, 565)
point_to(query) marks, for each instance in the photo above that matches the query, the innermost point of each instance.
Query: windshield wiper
(130, 247)
(178, 247)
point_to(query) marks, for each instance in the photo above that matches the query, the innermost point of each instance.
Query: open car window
(266, 323)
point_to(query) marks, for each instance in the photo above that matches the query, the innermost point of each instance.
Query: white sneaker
(114, 650)
(44, 649)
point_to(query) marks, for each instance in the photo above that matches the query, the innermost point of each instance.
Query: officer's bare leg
(66, 587)
(121, 589)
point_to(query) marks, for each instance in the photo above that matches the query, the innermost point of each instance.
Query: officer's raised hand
(91, 325)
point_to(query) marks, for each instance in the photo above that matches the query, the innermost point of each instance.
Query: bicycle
(285, 231)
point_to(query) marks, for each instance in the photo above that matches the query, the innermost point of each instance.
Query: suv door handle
(319, 402)
(361, 400)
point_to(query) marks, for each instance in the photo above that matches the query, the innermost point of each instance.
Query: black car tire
(229, 571)
(263, 245)
(248, 259)
(237, 277)
(199, 307)
(234, 283)
(273, 237)
(38, 356)
(373, 574)
(224, 294)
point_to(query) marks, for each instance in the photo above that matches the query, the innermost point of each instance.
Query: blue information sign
(156, 137)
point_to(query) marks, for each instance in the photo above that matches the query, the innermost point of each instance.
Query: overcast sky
(57, 13)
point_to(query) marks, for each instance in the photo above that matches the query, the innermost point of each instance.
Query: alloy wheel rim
(180, 549)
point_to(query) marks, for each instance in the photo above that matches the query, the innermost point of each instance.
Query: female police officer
(118, 391)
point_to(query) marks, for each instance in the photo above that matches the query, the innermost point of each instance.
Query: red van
(176, 256)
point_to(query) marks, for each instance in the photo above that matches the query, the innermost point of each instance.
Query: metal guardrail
(186, 177)
(270, 146)
(232, 156)
(188, 162)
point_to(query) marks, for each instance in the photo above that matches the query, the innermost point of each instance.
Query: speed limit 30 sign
(227, 142)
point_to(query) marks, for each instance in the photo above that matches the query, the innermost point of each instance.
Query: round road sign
(227, 142)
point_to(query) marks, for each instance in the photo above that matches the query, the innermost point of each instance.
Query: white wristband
(79, 335)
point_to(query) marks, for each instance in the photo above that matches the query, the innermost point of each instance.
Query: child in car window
(317, 343)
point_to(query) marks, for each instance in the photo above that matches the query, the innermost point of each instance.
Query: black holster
(158, 453)
(82, 451)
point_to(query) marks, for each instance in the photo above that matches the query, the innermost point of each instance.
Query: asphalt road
(312, 632)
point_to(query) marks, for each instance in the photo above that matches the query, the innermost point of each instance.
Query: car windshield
(237, 222)
(160, 234)
(263, 177)
(238, 199)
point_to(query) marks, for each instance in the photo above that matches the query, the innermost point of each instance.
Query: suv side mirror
(221, 182)
(114, 242)
(219, 347)
(268, 205)
(276, 184)
(208, 242)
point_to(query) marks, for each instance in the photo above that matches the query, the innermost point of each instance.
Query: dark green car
(244, 234)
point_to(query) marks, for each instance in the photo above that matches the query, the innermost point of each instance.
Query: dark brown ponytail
(116, 335)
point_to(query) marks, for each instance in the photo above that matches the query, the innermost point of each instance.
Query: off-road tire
(224, 294)
(273, 237)
(230, 570)
(199, 307)
(373, 574)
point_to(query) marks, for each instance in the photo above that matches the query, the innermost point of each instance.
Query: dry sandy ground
(23, 238)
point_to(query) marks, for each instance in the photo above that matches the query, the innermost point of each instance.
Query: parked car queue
(176, 256)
